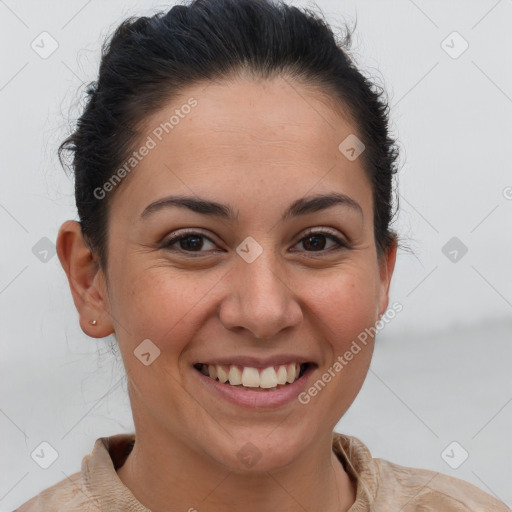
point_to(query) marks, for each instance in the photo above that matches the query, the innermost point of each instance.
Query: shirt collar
(101, 483)
(360, 465)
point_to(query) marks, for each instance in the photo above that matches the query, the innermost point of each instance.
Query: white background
(441, 370)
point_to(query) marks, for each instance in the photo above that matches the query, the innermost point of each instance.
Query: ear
(86, 280)
(386, 268)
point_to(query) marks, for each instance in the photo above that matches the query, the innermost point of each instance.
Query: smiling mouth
(271, 378)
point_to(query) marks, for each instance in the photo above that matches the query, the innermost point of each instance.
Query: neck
(170, 475)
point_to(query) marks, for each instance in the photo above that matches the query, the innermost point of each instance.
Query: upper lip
(257, 362)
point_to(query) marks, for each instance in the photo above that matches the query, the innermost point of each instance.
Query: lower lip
(257, 399)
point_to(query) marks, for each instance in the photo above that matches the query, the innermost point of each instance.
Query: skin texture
(257, 146)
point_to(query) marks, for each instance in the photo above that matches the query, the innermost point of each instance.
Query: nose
(261, 299)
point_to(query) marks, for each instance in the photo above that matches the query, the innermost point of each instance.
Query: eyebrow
(303, 206)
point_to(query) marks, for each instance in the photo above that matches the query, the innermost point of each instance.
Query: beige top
(382, 486)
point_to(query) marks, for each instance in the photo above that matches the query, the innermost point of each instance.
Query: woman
(233, 181)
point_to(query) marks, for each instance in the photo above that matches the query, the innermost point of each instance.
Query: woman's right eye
(189, 242)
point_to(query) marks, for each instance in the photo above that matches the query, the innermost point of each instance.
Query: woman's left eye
(193, 242)
(318, 238)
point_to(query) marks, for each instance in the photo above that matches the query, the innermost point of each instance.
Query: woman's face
(264, 287)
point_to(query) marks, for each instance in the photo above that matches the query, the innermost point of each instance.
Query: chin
(259, 450)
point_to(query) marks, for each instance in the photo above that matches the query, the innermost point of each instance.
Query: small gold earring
(93, 322)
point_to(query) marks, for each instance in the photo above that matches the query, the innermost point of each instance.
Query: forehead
(242, 136)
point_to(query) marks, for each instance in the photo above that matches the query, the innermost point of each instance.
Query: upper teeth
(250, 377)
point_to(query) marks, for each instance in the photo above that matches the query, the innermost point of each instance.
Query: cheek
(344, 306)
(161, 305)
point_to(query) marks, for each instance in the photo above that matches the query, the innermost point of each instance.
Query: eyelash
(184, 235)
